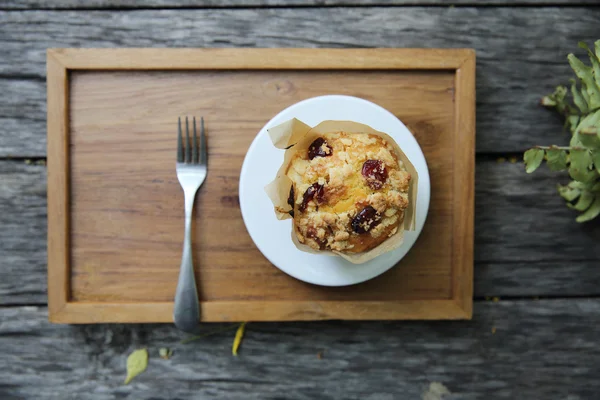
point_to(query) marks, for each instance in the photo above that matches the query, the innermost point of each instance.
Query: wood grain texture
(256, 309)
(59, 180)
(126, 210)
(23, 234)
(521, 219)
(23, 117)
(124, 4)
(543, 349)
(520, 55)
(509, 259)
(463, 177)
(262, 59)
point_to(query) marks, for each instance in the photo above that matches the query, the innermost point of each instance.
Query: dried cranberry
(319, 148)
(314, 192)
(291, 200)
(365, 220)
(375, 173)
(320, 195)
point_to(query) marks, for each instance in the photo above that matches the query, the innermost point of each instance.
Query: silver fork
(191, 168)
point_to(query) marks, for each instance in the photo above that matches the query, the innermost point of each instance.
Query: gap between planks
(249, 5)
(476, 299)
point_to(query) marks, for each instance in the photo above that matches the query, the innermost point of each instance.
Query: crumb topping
(349, 192)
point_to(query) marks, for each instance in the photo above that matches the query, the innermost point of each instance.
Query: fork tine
(203, 151)
(188, 145)
(179, 144)
(195, 145)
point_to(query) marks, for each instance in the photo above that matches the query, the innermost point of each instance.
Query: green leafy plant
(582, 157)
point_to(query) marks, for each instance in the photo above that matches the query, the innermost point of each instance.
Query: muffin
(349, 192)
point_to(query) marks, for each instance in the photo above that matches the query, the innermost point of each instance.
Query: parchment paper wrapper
(293, 136)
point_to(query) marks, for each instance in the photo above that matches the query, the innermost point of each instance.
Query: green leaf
(584, 73)
(585, 200)
(548, 101)
(581, 163)
(568, 193)
(578, 98)
(581, 185)
(589, 138)
(591, 130)
(594, 60)
(533, 158)
(586, 124)
(575, 142)
(572, 121)
(592, 119)
(556, 159)
(591, 212)
(136, 364)
(580, 158)
(557, 99)
(586, 96)
(596, 159)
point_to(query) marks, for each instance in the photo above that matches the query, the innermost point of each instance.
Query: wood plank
(520, 218)
(514, 67)
(543, 349)
(124, 4)
(126, 214)
(525, 237)
(537, 278)
(509, 259)
(59, 180)
(272, 60)
(464, 202)
(23, 117)
(23, 233)
(259, 310)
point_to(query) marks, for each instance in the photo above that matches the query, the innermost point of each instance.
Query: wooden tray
(115, 207)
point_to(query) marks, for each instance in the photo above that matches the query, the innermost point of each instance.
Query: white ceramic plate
(273, 237)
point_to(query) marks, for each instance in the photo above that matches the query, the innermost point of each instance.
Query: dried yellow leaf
(136, 364)
(239, 335)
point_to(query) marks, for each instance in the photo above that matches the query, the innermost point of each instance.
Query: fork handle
(186, 313)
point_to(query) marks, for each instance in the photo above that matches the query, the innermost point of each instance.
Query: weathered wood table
(535, 332)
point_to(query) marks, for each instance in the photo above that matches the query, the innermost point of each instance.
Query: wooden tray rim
(61, 61)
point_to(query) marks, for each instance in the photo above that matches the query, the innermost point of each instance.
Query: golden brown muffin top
(349, 192)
